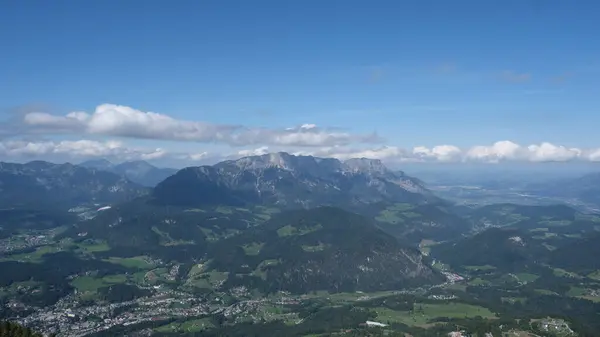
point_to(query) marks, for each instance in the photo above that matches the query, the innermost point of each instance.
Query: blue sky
(417, 73)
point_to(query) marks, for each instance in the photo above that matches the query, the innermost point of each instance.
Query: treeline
(117, 293)
(53, 273)
(315, 321)
(10, 329)
(580, 313)
(20, 219)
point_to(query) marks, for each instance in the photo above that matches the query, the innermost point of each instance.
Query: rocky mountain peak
(290, 162)
(281, 160)
(365, 165)
(284, 179)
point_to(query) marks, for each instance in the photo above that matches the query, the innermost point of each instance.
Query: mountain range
(285, 221)
(290, 181)
(139, 171)
(40, 183)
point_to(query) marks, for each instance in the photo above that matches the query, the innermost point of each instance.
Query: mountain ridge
(320, 248)
(138, 171)
(44, 183)
(289, 180)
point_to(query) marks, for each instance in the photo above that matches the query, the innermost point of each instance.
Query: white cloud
(308, 126)
(256, 152)
(443, 153)
(498, 151)
(593, 155)
(18, 149)
(123, 121)
(157, 154)
(198, 156)
(501, 151)
(343, 153)
(550, 152)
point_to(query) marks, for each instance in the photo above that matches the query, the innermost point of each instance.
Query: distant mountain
(287, 180)
(324, 248)
(143, 173)
(99, 164)
(40, 183)
(585, 188)
(139, 171)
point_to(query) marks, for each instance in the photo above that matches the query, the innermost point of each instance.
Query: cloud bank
(123, 121)
(502, 151)
(19, 149)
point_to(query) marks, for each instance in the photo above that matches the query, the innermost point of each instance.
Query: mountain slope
(286, 180)
(325, 248)
(581, 255)
(413, 222)
(139, 171)
(45, 184)
(506, 249)
(143, 173)
(98, 164)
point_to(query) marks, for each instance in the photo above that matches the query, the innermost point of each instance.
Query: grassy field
(113, 279)
(389, 216)
(563, 273)
(138, 278)
(93, 247)
(545, 292)
(91, 284)
(193, 325)
(87, 283)
(36, 256)
(205, 280)
(478, 282)
(259, 269)
(290, 230)
(139, 262)
(480, 268)
(576, 291)
(253, 248)
(425, 314)
(595, 275)
(167, 240)
(526, 277)
(455, 310)
(440, 266)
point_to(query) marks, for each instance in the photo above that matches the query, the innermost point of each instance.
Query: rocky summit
(288, 180)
